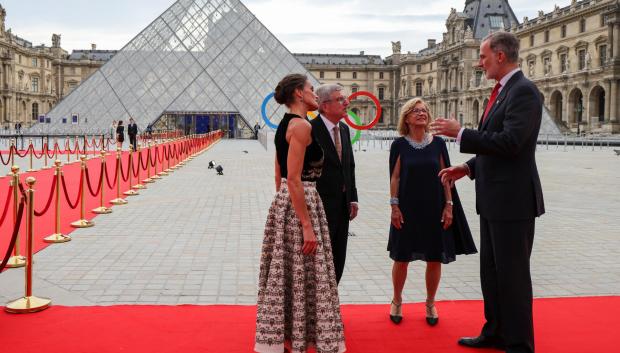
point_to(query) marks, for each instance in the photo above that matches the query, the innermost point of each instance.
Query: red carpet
(567, 325)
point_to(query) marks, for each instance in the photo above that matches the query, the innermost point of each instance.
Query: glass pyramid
(198, 56)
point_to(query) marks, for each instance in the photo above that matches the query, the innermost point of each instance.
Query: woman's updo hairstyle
(285, 89)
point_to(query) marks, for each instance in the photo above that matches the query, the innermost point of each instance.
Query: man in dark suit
(132, 131)
(337, 183)
(508, 194)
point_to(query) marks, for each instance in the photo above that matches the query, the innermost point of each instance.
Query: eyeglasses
(419, 111)
(340, 100)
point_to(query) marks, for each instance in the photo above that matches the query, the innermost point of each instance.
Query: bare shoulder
(300, 129)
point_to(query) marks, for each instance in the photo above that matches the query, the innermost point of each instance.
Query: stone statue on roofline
(55, 40)
(396, 47)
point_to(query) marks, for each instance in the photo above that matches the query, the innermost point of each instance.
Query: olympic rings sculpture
(357, 125)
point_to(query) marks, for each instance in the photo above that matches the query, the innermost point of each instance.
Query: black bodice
(313, 159)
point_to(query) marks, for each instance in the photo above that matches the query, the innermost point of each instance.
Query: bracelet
(393, 200)
(449, 202)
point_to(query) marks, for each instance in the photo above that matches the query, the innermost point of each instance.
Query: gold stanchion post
(29, 303)
(31, 149)
(118, 200)
(57, 237)
(139, 186)
(17, 260)
(131, 191)
(45, 149)
(102, 209)
(82, 222)
(68, 150)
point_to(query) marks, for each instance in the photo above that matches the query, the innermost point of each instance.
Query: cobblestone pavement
(195, 237)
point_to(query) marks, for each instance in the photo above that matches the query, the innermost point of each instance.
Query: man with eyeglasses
(337, 183)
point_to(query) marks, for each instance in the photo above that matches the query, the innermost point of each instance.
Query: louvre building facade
(206, 64)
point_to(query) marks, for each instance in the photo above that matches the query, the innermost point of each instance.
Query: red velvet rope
(107, 178)
(34, 153)
(161, 160)
(140, 161)
(53, 151)
(90, 188)
(124, 178)
(151, 159)
(136, 166)
(6, 205)
(18, 222)
(49, 200)
(64, 187)
(25, 152)
(8, 160)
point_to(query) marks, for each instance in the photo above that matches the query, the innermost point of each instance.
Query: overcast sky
(304, 26)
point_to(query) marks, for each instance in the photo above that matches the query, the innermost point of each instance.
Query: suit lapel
(500, 98)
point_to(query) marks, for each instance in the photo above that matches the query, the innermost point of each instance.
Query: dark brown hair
(287, 86)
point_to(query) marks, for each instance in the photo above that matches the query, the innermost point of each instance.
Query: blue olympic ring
(263, 110)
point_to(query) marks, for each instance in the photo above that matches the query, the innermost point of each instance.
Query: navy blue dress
(421, 201)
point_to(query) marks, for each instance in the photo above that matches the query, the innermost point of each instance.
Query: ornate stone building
(568, 52)
(572, 53)
(34, 78)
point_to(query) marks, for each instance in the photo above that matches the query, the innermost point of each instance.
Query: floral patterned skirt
(297, 296)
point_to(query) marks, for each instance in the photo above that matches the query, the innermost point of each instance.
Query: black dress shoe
(431, 314)
(481, 342)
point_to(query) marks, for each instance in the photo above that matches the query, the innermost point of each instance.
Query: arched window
(35, 111)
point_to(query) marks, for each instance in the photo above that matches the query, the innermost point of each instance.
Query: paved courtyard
(195, 237)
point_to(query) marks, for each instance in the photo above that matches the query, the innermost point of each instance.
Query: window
(532, 40)
(582, 59)
(418, 89)
(35, 111)
(35, 84)
(563, 30)
(431, 65)
(496, 22)
(478, 78)
(546, 36)
(35, 62)
(381, 75)
(381, 93)
(602, 54)
(337, 74)
(322, 74)
(72, 85)
(563, 63)
(582, 25)
(381, 117)
(418, 68)
(354, 75)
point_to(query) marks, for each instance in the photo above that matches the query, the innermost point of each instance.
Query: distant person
(256, 130)
(337, 183)
(113, 128)
(120, 134)
(427, 222)
(132, 131)
(298, 305)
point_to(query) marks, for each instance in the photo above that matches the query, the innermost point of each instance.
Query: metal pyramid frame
(198, 56)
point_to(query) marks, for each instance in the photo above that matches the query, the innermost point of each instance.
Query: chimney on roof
(362, 52)
(93, 46)
(432, 43)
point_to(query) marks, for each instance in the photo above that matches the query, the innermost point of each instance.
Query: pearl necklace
(428, 138)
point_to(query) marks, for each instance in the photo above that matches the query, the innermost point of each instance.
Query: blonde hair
(403, 129)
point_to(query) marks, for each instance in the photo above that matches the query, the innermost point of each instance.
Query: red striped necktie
(491, 101)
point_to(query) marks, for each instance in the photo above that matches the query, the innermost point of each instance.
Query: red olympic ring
(377, 104)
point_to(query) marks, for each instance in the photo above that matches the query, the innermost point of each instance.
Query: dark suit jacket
(132, 129)
(335, 173)
(507, 182)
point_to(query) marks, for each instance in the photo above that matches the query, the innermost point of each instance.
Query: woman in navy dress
(427, 221)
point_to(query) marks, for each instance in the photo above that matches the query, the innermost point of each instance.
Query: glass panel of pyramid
(198, 56)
